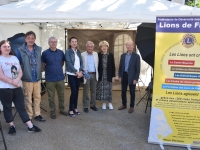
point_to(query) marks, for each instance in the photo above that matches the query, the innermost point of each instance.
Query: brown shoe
(131, 109)
(122, 107)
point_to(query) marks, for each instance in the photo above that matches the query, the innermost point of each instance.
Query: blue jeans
(124, 85)
(7, 96)
(74, 83)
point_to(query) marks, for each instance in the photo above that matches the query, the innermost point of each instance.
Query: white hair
(89, 42)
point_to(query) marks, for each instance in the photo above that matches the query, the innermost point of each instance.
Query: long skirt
(104, 91)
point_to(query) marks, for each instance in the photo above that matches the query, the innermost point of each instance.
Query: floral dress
(104, 88)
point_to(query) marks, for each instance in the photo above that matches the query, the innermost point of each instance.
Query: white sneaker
(104, 106)
(110, 106)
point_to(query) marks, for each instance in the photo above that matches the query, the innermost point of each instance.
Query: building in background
(179, 1)
(3, 2)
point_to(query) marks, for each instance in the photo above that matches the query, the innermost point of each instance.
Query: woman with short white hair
(106, 69)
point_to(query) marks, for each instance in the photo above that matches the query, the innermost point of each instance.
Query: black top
(110, 67)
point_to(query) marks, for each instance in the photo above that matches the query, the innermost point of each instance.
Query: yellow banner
(175, 116)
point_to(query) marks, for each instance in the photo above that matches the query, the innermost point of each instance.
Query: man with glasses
(29, 55)
(52, 62)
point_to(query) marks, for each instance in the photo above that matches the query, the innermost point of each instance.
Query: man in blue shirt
(129, 71)
(29, 55)
(52, 62)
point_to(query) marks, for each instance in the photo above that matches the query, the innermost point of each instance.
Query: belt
(91, 72)
(126, 72)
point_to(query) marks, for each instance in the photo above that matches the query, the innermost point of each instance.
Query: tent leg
(4, 142)
(65, 39)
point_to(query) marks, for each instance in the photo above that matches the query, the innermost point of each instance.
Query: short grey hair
(89, 42)
(52, 37)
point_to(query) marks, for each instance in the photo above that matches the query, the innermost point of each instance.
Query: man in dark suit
(129, 71)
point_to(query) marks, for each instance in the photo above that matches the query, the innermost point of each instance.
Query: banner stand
(175, 113)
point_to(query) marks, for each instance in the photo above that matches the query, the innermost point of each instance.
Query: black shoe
(39, 118)
(94, 108)
(76, 112)
(34, 129)
(12, 130)
(64, 113)
(86, 110)
(53, 115)
(72, 115)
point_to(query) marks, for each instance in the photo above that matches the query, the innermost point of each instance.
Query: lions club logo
(188, 40)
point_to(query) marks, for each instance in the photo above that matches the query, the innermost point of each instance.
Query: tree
(193, 3)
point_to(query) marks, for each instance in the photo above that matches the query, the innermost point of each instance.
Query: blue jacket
(24, 59)
(133, 69)
(70, 59)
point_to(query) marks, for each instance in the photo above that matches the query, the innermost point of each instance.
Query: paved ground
(101, 130)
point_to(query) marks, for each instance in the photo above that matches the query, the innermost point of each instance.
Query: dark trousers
(74, 83)
(7, 96)
(124, 89)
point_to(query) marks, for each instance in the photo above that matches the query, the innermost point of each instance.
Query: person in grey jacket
(29, 55)
(129, 71)
(74, 70)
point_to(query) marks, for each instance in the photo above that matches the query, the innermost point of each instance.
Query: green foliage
(192, 3)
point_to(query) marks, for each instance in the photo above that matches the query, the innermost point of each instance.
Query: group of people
(96, 69)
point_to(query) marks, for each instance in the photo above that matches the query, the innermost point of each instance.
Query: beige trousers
(32, 89)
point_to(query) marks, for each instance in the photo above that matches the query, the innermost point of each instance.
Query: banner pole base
(162, 147)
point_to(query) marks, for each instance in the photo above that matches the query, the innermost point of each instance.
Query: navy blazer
(133, 69)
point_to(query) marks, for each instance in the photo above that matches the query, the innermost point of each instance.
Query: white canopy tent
(92, 10)
(50, 17)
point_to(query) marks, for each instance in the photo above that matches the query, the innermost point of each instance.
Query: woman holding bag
(74, 70)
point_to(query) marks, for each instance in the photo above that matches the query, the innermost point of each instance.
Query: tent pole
(65, 38)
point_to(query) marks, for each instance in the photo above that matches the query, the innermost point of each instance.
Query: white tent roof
(92, 10)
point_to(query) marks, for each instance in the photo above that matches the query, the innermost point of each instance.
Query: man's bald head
(130, 46)
(130, 42)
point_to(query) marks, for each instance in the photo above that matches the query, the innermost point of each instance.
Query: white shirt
(10, 67)
(76, 64)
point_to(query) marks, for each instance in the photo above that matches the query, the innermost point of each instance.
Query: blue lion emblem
(188, 40)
